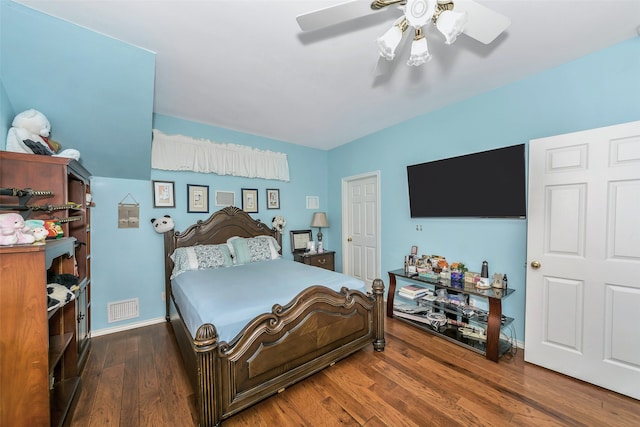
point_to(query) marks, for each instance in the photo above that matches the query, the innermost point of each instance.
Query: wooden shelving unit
(44, 350)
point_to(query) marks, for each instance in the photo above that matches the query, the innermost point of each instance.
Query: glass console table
(459, 317)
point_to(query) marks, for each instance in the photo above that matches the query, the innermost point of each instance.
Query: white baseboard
(128, 326)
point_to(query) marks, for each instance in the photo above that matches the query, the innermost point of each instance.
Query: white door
(361, 227)
(584, 232)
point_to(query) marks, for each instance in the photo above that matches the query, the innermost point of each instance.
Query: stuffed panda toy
(278, 223)
(162, 225)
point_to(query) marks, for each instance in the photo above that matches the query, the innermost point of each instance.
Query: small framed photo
(300, 240)
(197, 198)
(163, 195)
(273, 198)
(225, 198)
(414, 250)
(250, 200)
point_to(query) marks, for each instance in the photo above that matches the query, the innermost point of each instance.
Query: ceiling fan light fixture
(451, 24)
(389, 41)
(419, 50)
(419, 12)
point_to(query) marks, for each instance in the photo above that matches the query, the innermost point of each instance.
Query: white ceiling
(245, 65)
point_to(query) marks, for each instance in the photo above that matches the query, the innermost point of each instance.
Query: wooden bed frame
(277, 349)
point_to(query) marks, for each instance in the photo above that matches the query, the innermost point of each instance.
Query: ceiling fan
(450, 17)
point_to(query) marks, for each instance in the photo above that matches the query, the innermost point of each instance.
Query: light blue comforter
(230, 297)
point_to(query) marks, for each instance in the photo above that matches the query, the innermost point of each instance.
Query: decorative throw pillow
(200, 257)
(253, 249)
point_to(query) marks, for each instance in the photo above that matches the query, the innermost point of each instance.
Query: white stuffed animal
(279, 223)
(29, 134)
(13, 230)
(162, 225)
(37, 229)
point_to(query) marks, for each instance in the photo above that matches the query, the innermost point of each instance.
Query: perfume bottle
(504, 282)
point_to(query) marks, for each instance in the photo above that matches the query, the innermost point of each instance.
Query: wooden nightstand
(323, 260)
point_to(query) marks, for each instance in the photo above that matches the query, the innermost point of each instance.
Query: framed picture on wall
(273, 198)
(197, 198)
(225, 198)
(163, 195)
(250, 200)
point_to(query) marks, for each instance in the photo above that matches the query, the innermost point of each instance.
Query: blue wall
(307, 169)
(96, 91)
(6, 114)
(128, 263)
(598, 90)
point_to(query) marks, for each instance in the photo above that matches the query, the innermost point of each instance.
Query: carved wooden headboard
(220, 226)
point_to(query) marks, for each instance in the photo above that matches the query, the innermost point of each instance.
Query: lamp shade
(451, 24)
(419, 51)
(319, 220)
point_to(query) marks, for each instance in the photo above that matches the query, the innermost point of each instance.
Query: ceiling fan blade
(483, 24)
(332, 15)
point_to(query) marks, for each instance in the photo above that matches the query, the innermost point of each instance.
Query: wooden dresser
(43, 352)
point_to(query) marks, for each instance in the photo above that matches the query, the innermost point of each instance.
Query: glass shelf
(467, 288)
(491, 341)
(480, 316)
(452, 333)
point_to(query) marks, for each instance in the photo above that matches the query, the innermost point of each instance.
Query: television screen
(488, 184)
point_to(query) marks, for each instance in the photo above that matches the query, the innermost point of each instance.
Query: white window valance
(183, 153)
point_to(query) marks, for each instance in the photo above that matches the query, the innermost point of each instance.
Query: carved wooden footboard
(275, 350)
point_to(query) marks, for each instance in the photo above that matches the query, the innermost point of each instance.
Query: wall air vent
(122, 310)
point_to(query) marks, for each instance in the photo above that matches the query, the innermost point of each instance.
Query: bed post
(378, 310)
(206, 346)
(169, 246)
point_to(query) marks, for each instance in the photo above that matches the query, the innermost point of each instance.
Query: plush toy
(8, 234)
(37, 228)
(60, 293)
(162, 225)
(54, 229)
(29, 134)
(39, 234)
(65, 279)
(13, 230)
(278, 223)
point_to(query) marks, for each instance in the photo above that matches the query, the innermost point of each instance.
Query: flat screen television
(488, 184)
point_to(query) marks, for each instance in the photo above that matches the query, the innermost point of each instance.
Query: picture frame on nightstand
(300, 240)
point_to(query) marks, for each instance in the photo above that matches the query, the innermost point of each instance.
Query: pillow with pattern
(200, 257)
(253, 249)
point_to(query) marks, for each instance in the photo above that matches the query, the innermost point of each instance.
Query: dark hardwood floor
(136, 378)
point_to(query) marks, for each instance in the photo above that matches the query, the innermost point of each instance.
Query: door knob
(349, 239)
(535, 265)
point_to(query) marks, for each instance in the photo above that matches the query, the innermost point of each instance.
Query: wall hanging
(128, 213)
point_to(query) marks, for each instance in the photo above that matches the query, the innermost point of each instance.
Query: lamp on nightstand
(319, 220)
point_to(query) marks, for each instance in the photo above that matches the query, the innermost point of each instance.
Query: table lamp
(319, 220)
